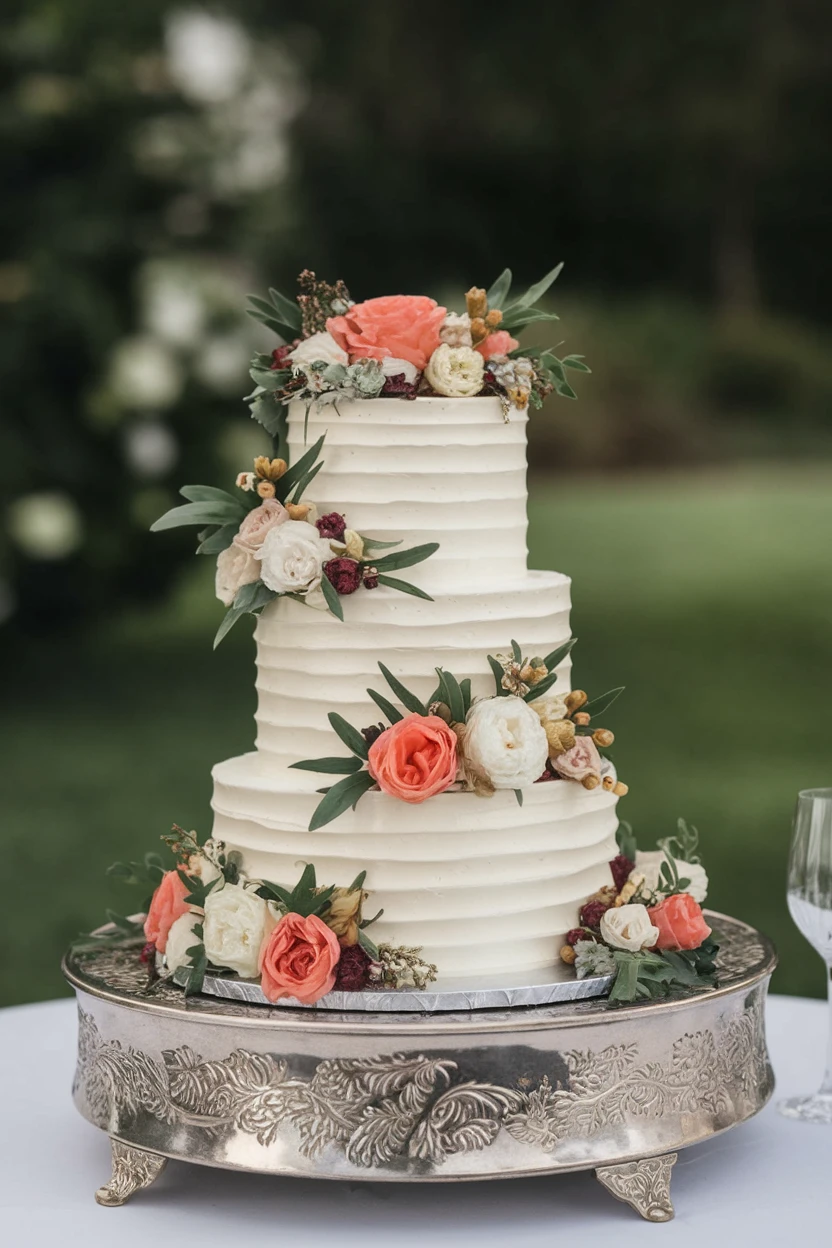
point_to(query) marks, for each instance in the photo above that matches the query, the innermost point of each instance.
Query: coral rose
(298, 959)
(415, 758)
(403, 326)
(680, 921)
(499, 343)
(167, 906)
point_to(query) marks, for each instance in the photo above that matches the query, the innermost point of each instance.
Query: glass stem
(826, 1086)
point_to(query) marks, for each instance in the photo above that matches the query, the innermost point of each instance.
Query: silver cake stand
(472, 1094)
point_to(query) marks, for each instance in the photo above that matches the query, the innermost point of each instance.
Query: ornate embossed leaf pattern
(467, 1116)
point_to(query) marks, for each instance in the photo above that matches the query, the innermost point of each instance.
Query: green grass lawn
(709, 598)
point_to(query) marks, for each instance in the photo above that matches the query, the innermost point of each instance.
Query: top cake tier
(451, 471)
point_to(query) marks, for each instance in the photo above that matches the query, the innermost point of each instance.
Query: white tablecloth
(768, 1182)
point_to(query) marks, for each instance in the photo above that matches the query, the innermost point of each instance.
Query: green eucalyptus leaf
(351, 737)
(538, 290)
(557, 656)
(406, 558)
(404, 587)
(498, 291)
(332, 597)
(597, 706)
(294, 473)
(210, 494)
(404, 695)
(340, 797)
(386, 708)
(218, 541)
(287, 309)
(199, 513)
(498, 676)
(575, 362)
(333, 766)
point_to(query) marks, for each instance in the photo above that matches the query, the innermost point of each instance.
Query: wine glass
(810, 905)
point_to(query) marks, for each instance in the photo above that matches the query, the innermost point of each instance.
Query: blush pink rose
(498, 343)
(298, 959)
(167, 906)
(404, 327)
(415, 758)
(581, 761)
(260, 521)
(680, 921)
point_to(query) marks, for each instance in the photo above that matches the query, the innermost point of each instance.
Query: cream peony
(455, 371)
(649, 865)
(505, 740)
(181, 938)
(318, 349)
(391, 367)
(236, 921)
(628, 927)
(236, 567)
(292, 558)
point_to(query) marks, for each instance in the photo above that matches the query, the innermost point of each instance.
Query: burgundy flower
(621, 868)
(344, 574)
(148, 953)
(579, 933)
(398, 387)
(591, 912)
(332, 526)
(280, 355)
(371, 578)
(353, 970)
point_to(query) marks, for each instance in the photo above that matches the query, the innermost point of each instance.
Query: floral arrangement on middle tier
(521, 736)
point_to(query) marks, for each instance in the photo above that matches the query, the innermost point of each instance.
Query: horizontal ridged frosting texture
(484, 885)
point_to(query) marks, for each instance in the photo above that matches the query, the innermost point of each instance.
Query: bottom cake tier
(482, 886)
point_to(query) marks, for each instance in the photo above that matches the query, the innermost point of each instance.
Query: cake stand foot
(643, 1185)
(133, 1170)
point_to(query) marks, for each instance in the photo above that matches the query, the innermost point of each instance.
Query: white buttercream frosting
(483, 884)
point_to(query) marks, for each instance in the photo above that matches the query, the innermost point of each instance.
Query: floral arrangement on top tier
(205, 915)
(523, 735)
(647, 928)
(403, 346)
(270, 544)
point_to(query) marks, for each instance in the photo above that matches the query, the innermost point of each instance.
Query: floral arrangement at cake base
(521, 736)
(647, 928)
(204, 915)
(269, 544)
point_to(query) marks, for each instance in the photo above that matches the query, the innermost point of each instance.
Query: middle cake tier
(309, 663)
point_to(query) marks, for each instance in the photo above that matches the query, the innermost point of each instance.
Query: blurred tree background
(161, 160)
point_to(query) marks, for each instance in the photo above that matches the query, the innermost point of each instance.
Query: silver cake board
(552, 985)
(418, 1096)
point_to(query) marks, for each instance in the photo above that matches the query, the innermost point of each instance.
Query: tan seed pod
(621, 789)
(265, 489)
(567, 955)
(608, 783)
(591, 781)
(442, 710)
(581, 718)
(628, 891)
(575, 700)
(476, 302)
(603, 737)
(298, 511)
(493, 318)
(479, 330)
(560, 734)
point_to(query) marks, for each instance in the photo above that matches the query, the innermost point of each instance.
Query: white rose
(292, 558)
(317, 348)
(649, 865)
(506, 741)
(627, 927)
(391, 367)
(235, 923)
(455, 371)
(181, 938)
(235, 568)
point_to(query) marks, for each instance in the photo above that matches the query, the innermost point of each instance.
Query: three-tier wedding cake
(483, 885)
(428, 799)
